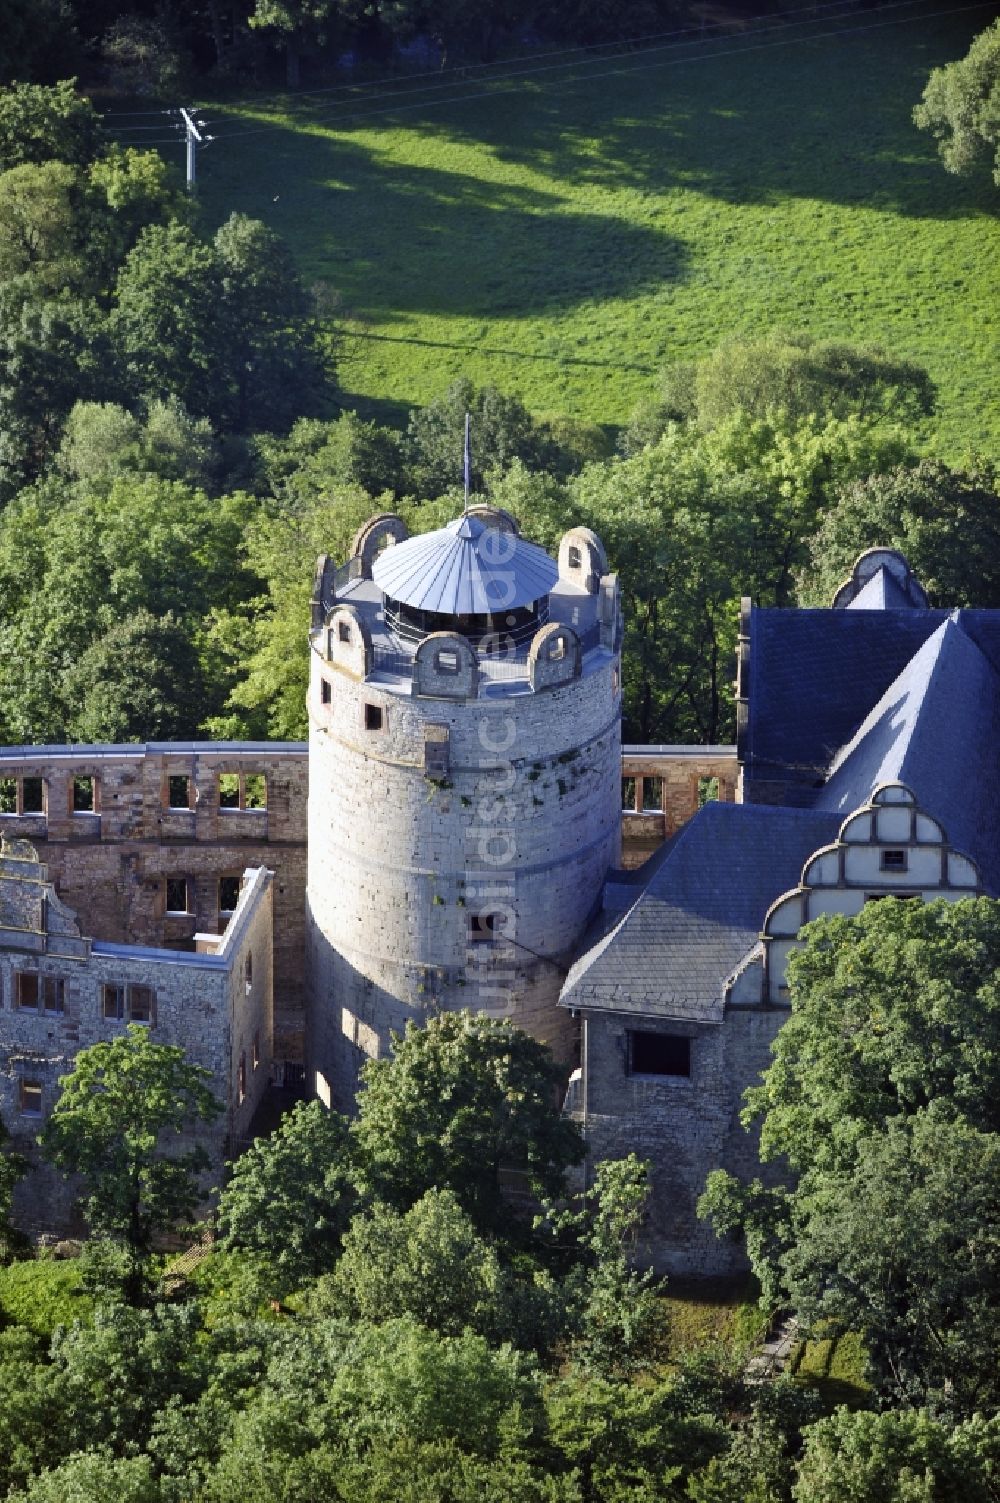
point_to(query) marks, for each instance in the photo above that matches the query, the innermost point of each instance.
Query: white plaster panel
(893, 824)
(928, 829)
(961, 872)
(858, 828)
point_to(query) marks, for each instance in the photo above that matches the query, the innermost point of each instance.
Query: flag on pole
(468, 463)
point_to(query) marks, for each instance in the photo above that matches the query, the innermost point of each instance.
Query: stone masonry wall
(686, 1127)
(112, 865)
(444, 809)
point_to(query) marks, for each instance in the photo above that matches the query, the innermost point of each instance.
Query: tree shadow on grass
(436, 241)
(829, 120)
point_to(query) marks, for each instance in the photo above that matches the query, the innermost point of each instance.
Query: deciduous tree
(121, 1107)
(961, 107)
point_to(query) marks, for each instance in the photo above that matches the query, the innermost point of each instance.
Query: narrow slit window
(255, 1051)
(241, 1080)
(325, 691)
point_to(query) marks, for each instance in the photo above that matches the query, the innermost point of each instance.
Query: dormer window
(894, 861)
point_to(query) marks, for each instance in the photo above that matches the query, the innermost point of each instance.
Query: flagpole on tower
(468, 464)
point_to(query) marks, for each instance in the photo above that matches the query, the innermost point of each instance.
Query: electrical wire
(631, 67)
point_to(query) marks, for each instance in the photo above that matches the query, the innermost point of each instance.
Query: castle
(451, 837)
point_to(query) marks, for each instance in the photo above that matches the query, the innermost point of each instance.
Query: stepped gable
(699, 913)
(936, 728)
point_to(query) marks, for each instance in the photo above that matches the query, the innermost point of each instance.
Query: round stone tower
(464, 780)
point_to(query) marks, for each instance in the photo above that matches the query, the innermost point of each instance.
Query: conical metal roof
(465, 569)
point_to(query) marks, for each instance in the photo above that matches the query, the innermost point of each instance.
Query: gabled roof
(814, 675)
(701, 910)
(466, 568)
(936, 729)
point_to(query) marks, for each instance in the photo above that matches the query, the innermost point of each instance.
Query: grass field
(565, 233)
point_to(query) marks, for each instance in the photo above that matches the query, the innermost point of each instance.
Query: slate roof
(814, 675)
(698, 913)
(883, 592)
(936, 729)
(465, 568)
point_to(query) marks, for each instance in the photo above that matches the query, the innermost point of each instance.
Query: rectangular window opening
(31, 1098)
(483, 928)
(113, 1002)
(893, 861)
(575, 557)
(229, 790)
(178, 791)
(447, 662)
(54, 994)
(628, 794)
(652, 795)
(659, 1054)
(255, 1050)
(373, 717)
(177, 895)
(254, 790)
(708, 791)
(241, 1080)
(325, 691)
(343, 632)
(26, 991)
(84, 795)
(141, 1003)
(8, 795)
(229, 894)
(33, 796)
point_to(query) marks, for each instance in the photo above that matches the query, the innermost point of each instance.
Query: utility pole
(194, 139)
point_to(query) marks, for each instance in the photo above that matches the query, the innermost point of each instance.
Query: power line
(583, 53)
(630, 68)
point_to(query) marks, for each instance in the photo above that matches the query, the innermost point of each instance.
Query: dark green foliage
(946, 522)
(457, 1103)
(39, 124)
(883, 1099)
(150, 560)
(502, 431)
(291, 1195)
(904, 1457)
(139, 680)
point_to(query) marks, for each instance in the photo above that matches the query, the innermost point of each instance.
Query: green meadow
(564, 228)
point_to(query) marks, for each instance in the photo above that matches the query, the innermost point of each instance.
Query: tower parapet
(464, 805)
